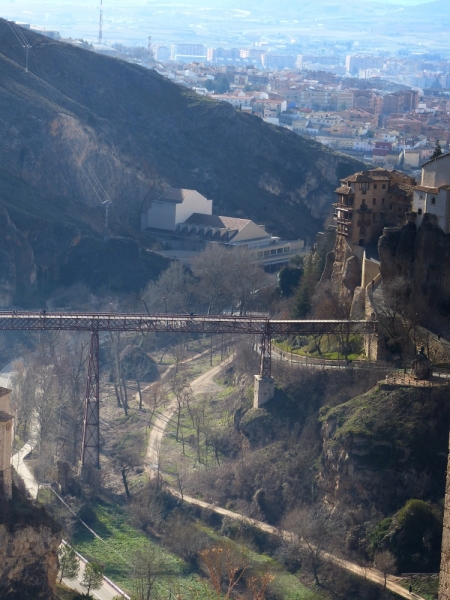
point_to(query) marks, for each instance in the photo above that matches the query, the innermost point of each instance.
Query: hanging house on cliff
(370, 200)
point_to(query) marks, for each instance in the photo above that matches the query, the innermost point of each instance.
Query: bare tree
(211, 267)
(116, 371)
(181, 476)
(172, 292)
(182, 391)
(128, 452)
(386, 563)
(148, 567)
(245, 278)
(224, 563)
(312, 525)
(156, 397)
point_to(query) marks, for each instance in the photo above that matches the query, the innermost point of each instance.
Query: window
(382, 201)
(390, 206)
(419, 212)
(259, 254)
(374, 201)
(384, 186)
(279, 250)
(374, 186)
(273, 252)
(399, 209)
(433, 200)
(266, 252)
(286, 249)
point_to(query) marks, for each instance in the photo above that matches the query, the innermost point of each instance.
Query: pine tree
(302, 304)
(69, 565)
(92, 577)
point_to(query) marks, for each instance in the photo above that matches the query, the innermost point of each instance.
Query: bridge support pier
(264, 382)
(90, 449)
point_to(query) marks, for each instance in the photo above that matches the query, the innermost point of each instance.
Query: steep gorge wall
(29, 563)
(421, 258)
(29, 541)
(385, 447)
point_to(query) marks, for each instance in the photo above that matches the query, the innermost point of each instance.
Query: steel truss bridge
(145, 323)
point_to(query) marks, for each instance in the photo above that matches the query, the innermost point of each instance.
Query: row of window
(272, 252)
(364, 187)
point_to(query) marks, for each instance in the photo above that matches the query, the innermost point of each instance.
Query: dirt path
(205, 384)
(366, 572)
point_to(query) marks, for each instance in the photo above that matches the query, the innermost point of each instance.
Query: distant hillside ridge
(76, 113)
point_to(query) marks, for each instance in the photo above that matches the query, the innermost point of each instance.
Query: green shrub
(413, 537)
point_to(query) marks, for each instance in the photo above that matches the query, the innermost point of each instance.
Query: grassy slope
(122, 541)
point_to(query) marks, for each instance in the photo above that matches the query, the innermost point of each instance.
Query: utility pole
(100, 25)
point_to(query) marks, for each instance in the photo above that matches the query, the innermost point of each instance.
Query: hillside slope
(76, 113)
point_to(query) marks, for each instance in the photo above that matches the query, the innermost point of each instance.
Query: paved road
(153, 448)
(108, 590)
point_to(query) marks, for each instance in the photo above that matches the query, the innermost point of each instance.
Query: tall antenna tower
(100, 24)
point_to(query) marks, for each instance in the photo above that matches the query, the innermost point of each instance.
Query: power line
(21, 39)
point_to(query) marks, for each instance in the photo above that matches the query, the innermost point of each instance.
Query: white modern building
(174, 207)
(433, 193)
(183, 222)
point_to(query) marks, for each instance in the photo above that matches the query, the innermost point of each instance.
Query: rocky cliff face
(421, 258)
(29, 563)
(29, 541)
(385, 447)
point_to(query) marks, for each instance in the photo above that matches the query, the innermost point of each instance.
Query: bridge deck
(35, 320)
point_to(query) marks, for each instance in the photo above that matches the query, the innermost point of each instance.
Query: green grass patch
(122, 541)
(424, 585)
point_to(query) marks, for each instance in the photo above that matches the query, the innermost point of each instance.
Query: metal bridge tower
(91, 426)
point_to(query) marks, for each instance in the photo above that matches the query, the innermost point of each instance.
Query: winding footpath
(203, 384)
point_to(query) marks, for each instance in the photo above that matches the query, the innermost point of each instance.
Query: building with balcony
(370, 200)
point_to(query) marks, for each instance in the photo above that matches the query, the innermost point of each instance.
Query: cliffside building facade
(370, 200)
(433, 193)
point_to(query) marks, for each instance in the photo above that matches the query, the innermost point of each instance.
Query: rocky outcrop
(421, 257)
(346, 270)
(29, 541)
(29, 563)
(374, 448)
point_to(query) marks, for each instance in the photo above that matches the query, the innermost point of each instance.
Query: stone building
(6, 433)
(370, 200)
(433, 194)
